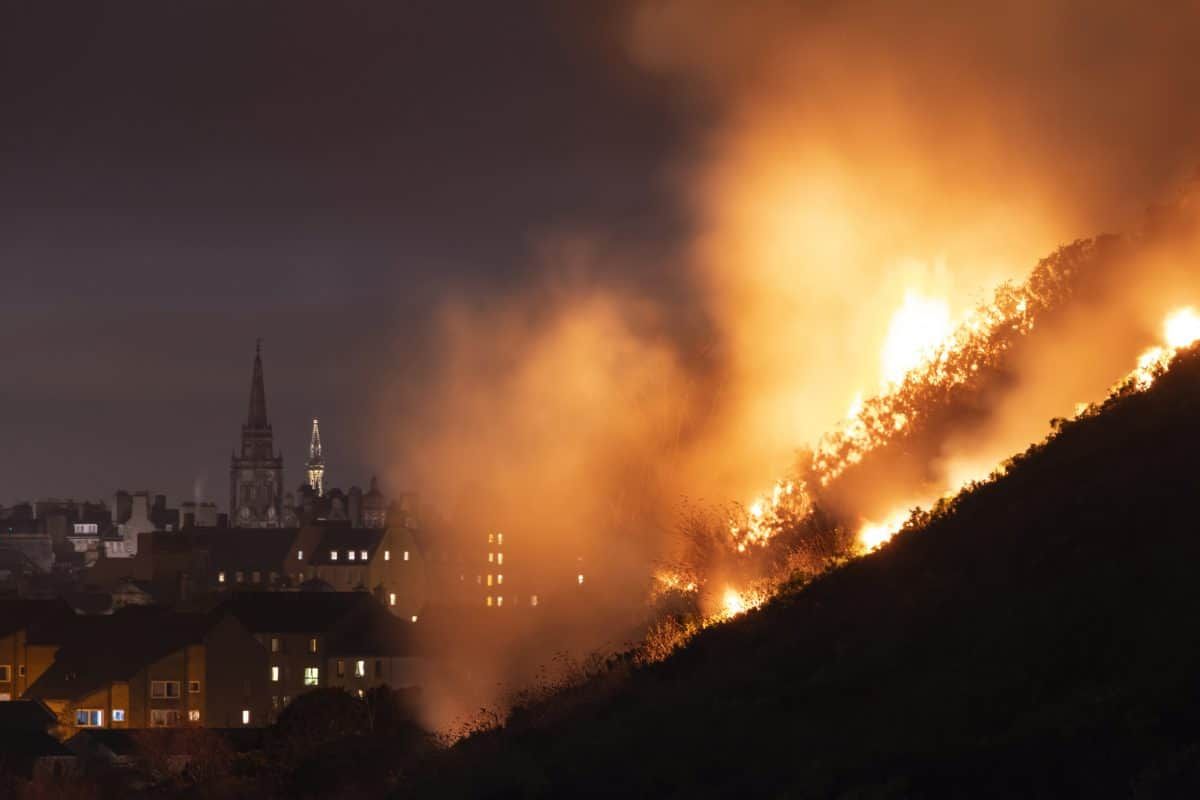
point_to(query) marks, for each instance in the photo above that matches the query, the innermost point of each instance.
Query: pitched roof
(373, 632)
(26, 715)
(21, 612)
(296, 612)
(234, 549)
(101, 650)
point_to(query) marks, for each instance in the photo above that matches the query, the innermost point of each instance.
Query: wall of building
(396, 672)
(237, 677)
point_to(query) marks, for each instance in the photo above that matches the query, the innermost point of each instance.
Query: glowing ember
(917, 329)
(763, 515)
(874, 534)
(1182, 328)
(667, 581)
(734, 602)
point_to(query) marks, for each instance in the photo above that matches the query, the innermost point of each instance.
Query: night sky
(178, 178)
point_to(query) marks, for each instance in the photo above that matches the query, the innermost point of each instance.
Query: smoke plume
(843, 157)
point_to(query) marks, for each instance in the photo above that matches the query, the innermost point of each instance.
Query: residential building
(298, 630)
(147, 667)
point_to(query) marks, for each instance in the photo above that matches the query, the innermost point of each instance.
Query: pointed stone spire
(258, 394)
(316, 462)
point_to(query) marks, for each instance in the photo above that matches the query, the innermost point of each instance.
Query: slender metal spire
(314, 445)
(258, 394)
(316, 463)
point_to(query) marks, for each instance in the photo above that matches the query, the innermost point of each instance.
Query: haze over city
(506, 394)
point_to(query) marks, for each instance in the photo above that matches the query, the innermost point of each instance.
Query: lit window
(193, 687)
(491, 538)
(392, 599)
(387, 555)
(89, 718)
(312, 676)
(489, 601)
(499, 558)
(414, 618)
(499, 601)
(489, 580)
(491, 557)
(194, 715)
(362, 556)
(533, 600)
(360, 668)
(118, 715)
(351, 555)
(333, 555)
(580, 579)
(299, 555)
(500, 580)
(220, 577)
(499, 538)
(312, 645)
(406, 555)
(274, 674)
(245, 716)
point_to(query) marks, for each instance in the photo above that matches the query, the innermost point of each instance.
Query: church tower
(256, 474)
(316, 463)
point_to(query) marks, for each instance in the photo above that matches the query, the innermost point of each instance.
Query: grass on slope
(1039, 639)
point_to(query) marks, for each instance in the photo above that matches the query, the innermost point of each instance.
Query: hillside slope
(1041, 639)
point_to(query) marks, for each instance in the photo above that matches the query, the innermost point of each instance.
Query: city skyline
(160, 209)
(204, 487)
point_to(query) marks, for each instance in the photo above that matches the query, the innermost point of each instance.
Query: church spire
(258, 394)
(316, 462)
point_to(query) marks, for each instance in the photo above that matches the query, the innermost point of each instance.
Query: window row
(170, 689)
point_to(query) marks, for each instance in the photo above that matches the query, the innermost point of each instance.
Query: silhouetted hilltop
(1040, 636)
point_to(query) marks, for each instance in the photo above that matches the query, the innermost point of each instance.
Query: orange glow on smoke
(917, 329)
(874, 534)
(734, 603)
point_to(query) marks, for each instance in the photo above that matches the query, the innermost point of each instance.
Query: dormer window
(351, 556)
(333, 555)
(299, 555)
(362, 556)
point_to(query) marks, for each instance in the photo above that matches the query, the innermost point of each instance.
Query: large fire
(1181, 329)
(930, 364)
(918, 329)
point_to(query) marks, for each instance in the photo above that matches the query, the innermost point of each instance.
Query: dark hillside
(1041, 638)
